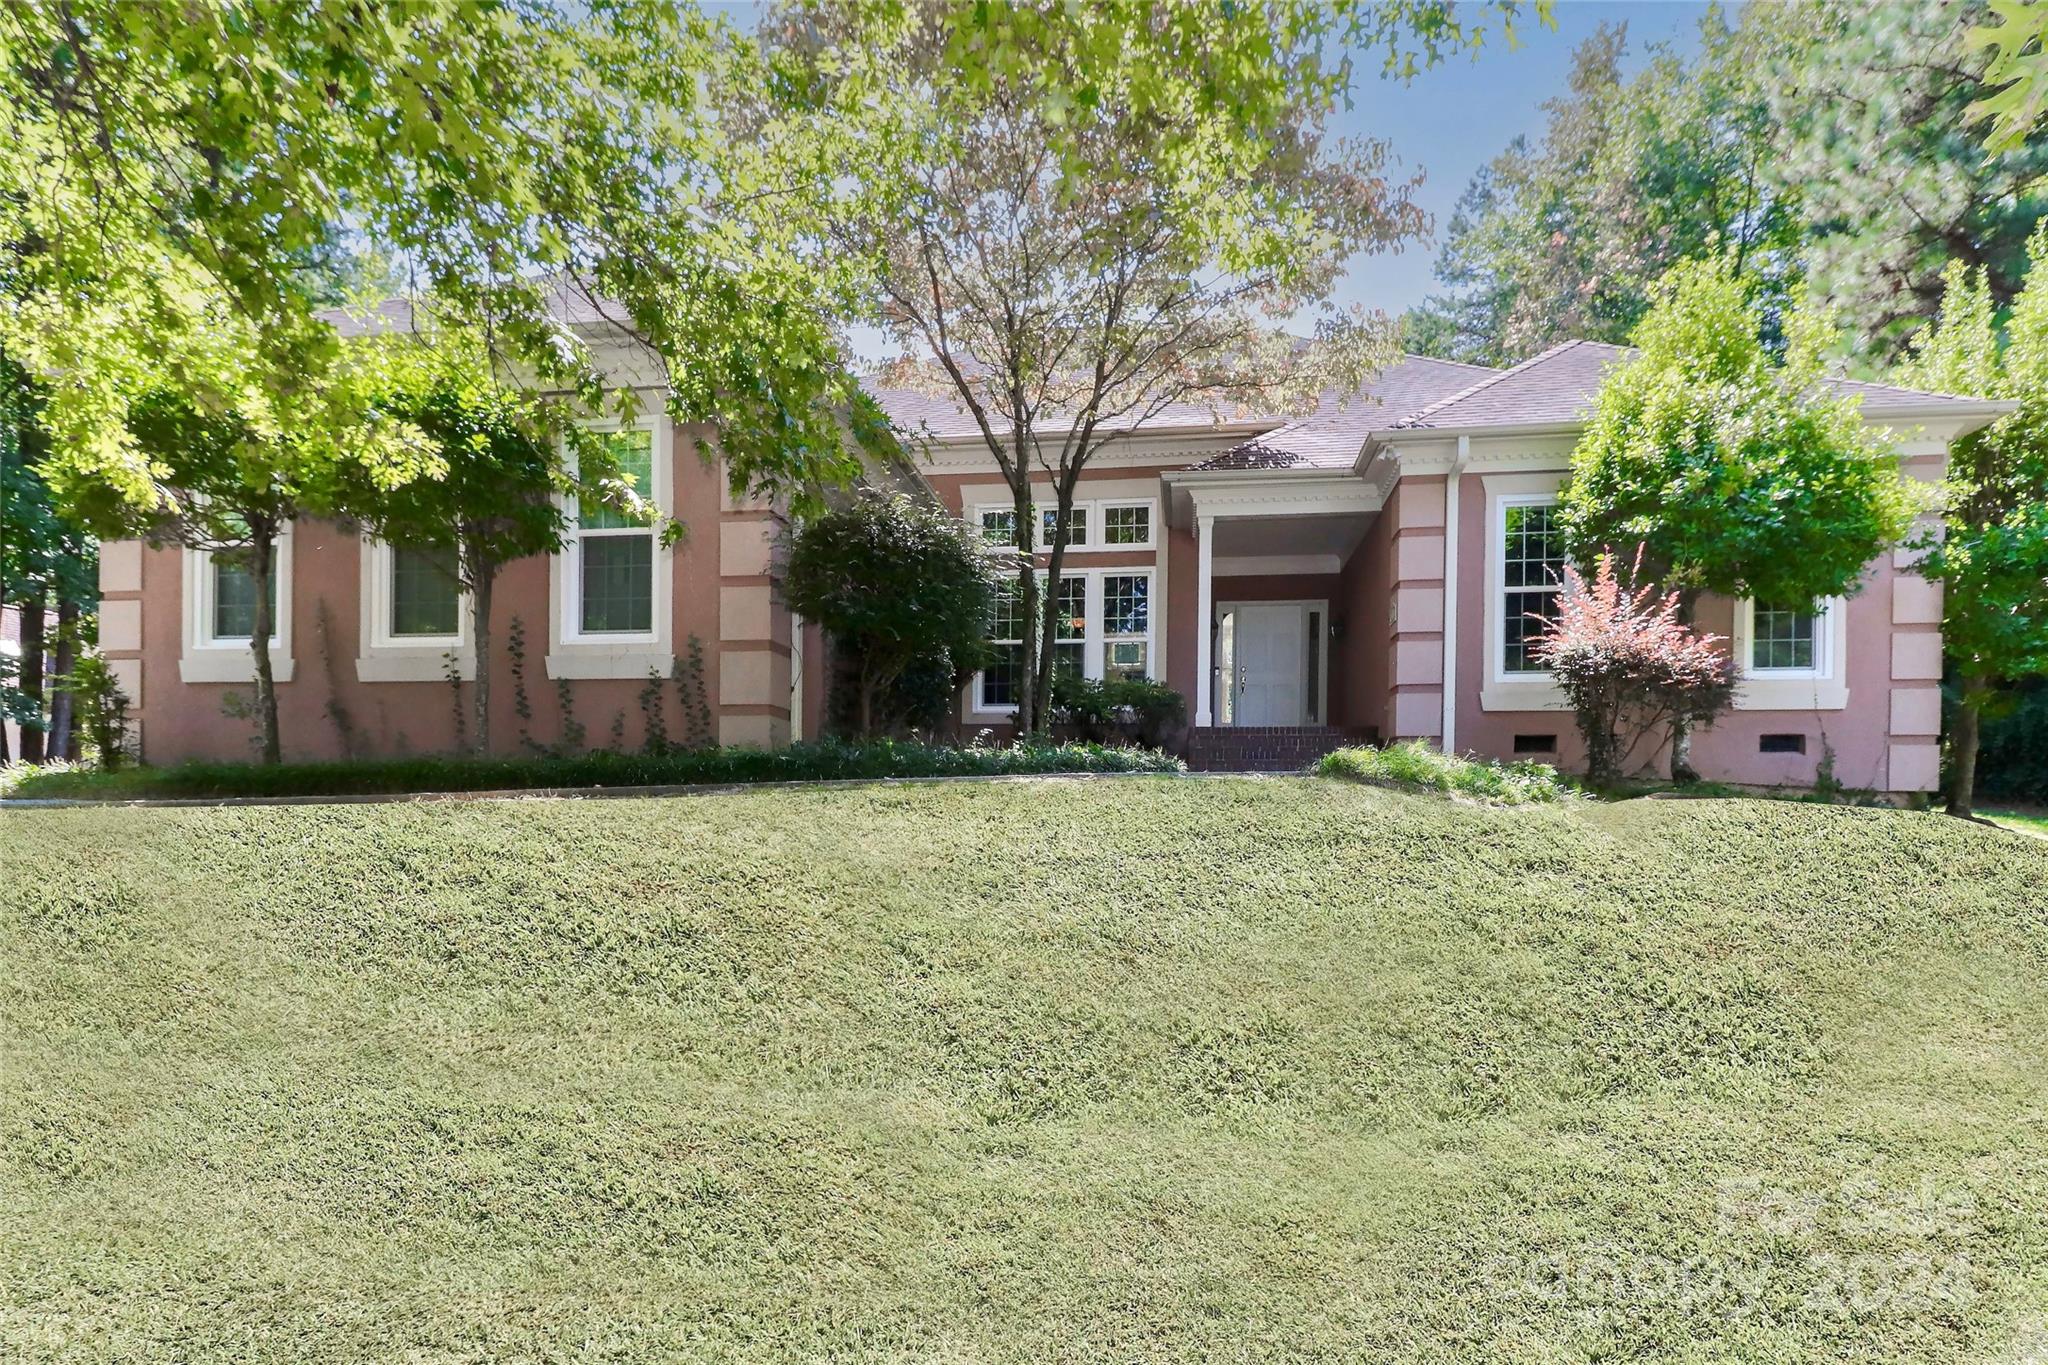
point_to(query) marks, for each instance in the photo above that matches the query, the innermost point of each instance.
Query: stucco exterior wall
(1884, 739)
(721, 579)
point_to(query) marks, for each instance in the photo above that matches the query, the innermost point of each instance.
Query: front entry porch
(1280, 594)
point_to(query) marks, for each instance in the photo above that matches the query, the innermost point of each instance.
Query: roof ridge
(1441, 360)
(1415, 419)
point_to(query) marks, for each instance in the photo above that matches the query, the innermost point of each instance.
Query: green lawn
(2033, 821)
(1133, 1070)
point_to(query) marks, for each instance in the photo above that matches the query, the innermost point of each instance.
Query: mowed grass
(1132, 1070)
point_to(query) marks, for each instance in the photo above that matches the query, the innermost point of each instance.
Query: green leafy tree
(1090, 214)
(179, 178)
(44, 558)
(1562, 239)
(509, 465)
(2018, 70)
(1734, 471)
(896, 582)
(223, 482)
(1992, 558)
(1872, 102)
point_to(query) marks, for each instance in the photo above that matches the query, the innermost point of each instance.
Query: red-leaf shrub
(1629, 666)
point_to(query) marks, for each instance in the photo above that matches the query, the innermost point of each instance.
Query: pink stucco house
(1365, 571)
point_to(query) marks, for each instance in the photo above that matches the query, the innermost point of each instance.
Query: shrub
(899, 585)
(1628, 666)
(826, 760)
(102, 707)
(1415, 766)
(1133, 710)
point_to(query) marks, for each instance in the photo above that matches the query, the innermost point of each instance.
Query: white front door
(1270, 658)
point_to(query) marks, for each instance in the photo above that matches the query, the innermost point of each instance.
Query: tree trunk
(1962, 747)
(866, 718)
(262, 567)
(1029, 703)
(1682, 769)
(63, 713)
(30, 679)
(483, 576)
(1048, 654)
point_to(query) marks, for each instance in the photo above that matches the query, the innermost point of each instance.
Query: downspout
(1449, 741)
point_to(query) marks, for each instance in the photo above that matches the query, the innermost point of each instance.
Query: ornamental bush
(1133, 710)
(898, 585)
(1629, 666)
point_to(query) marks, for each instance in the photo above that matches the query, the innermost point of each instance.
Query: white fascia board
(1269, 493)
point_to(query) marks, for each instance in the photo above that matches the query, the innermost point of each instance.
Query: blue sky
(1452, 120)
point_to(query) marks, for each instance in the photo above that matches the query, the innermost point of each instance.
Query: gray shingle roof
(1557, 388)
(1332, 435)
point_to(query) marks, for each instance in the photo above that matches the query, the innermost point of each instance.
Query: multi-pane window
(1126, 625)
(614, 554)
(1114, 642)
(1783, 639)
(426, 600)
(1091, 525)
(1533, 562)
(1006, 642)
(1077, 525)
(999, 525)
(234, 599)
(1070, 626)
(1127, 525)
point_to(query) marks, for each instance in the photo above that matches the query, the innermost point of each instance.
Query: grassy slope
(999, 1073)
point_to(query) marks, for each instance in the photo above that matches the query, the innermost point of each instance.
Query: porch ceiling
(1245, 537)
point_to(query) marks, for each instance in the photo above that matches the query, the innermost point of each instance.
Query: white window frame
(1094, 513)
(206, 657)
(1093, 639)
(1820, 688)
(1100, 539)
(1500, 690)
(576, 653)
(385, 657)
(1497, 630)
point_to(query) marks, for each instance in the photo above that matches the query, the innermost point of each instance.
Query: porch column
(1205, 537)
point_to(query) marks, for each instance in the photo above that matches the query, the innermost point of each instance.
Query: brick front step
(1265, 748)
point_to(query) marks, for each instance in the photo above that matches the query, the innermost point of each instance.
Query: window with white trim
(999, 525)
(1532, 575)
(422, 595)
(1126, 625)
(1077, 525)
(1106, 524)
(612, 557)
(996, 687)
(1102, 629)
(1127, 525)
(1070, 626)
(1787, 642)
(228, 605)
(219, 608)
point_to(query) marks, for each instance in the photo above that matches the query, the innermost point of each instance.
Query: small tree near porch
(1113, 219)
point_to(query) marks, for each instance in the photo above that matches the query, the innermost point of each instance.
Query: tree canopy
(1084, 217)
(1992, 558)
(1828, 143)
(180, 176)
(1739, 472)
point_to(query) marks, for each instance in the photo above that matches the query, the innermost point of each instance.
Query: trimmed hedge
(822, 761)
